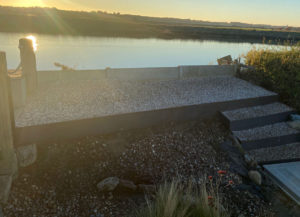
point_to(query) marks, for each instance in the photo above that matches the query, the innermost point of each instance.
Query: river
(99, 53)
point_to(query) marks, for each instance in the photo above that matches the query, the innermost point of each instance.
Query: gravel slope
(63, 181)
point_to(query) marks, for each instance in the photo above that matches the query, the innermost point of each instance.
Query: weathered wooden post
(28, 64)
(8, 160)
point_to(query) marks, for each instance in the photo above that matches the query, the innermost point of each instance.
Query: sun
(34, 41)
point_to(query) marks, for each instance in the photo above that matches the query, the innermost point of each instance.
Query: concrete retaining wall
(159, 73)
(201, 71)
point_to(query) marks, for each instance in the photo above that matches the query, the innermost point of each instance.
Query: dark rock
(146, 188)
(237, 163)
(250, 161)
(127, 185)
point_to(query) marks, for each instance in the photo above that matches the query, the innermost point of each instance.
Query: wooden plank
(7, 155)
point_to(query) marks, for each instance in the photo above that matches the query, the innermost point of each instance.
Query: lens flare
(34, 41)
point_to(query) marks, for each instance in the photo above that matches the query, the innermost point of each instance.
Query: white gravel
(278, 129)
(257, 111)
(66, 101)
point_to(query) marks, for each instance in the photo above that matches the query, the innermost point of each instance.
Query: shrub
(175, 200)
(277, 70)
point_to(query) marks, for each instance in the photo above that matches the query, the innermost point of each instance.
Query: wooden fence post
(8, 160)
(28, 63)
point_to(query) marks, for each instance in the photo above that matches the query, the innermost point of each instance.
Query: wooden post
(28, 64)
(8, 161)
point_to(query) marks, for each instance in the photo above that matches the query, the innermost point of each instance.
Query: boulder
(5, 185)
(26, 155)
(127, 185)
(255, 177)
(108, 184)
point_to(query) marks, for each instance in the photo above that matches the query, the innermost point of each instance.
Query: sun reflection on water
(34, 41)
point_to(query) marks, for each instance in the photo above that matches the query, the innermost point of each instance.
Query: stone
(26, 155)
(108, 184)
(127, 185)
(146, 188)
(5, 185)
(295, 117)
(250, 161)
(294, 124)
(255, 177)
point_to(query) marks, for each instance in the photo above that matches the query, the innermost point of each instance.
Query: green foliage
(277, 70)
(175, 200)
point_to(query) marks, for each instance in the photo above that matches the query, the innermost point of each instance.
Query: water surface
(98, 53)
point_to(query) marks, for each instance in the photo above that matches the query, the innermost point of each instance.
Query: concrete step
(282, 153)
(287, 177)
(267, 136)
(256, 116)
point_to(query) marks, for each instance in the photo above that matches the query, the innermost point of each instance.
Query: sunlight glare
(34, 41)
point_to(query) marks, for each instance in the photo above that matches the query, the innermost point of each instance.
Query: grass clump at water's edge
(276, 69)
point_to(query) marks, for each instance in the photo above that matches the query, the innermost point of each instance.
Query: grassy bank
(60, 22)
(277, 70)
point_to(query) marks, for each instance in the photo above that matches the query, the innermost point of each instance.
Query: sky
(274, 12)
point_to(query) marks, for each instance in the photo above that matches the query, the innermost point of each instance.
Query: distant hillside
(54, 21)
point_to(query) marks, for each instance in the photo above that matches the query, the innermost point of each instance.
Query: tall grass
(278, 70)
(175, 200)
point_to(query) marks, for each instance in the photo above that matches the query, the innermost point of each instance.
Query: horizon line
(162, 17)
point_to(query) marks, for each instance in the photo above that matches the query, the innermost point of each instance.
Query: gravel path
(278, 129)
(87, 99)
(257, 111)
(283, 152)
